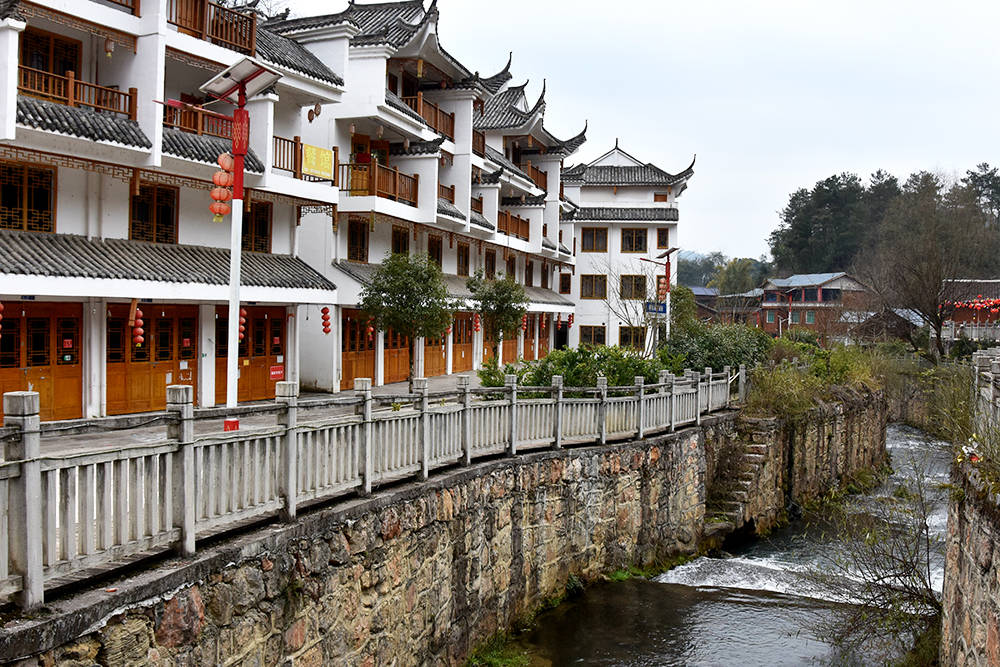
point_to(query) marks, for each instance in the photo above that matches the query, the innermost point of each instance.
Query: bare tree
(628, 291)
(932, 233)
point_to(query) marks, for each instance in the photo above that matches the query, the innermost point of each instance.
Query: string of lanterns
(243, 321)
(223, 180)
(325, 317)
(138, 333)
(978, 304)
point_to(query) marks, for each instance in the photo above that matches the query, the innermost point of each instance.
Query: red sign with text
(277, 372)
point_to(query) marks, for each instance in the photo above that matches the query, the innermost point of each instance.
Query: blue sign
(656, 308)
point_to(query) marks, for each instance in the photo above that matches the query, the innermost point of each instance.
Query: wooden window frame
(51, 36)
(251, 233)
(438, 241)
(631, 281)
(597, 232)
(355, 251)
(545, 275)
(596, 279)
(529, 273)
(490, 257)
(634, 233)
(53, 195)
(587, 334)
(662, 238)
(565, 283)
(661, 197)
(155, 224)
(404, 234)
(509, 271)
(629, 339)
(770, 317)
(462, 251)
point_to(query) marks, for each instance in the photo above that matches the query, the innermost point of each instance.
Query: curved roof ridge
(495, 82)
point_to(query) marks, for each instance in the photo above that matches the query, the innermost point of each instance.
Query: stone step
(757, 448)
(754, 458)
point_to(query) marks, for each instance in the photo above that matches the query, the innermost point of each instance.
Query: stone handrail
(62, 517)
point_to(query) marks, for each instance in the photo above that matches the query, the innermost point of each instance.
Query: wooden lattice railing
(73, 92)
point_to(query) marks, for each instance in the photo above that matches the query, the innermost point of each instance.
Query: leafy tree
(931, 234)
(985, 184)
(501, 303)
(736, 277)
(407, 294)
(715, 345)
(696, 270)
(683, 309)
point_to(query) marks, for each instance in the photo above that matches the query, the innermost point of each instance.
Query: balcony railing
(447, 192)
(432, 114)
(479, 143)
(513, 225)
(288, 157)
(540, 178)
(72, 92)
(375, 180)
(214, 23)
(477, 204)
(196, 121)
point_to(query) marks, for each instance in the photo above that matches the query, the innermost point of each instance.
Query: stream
(752, 607)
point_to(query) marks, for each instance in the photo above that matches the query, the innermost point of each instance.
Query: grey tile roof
(500, 160)
(68, 255)
(647, 174)
(567, 147)
(970, 288)
(503, 110)
(491, 177)
(393, 100)
(495, 83)
(548, 244)
(79, 122)
(611, 213)
(538, 200)
(698, 290)
(286, 52)
(203, 148)
(544, 295)
(370, 19)
(479, 220)
(445, 207)
(8, 9)
(563, 250)
(418, 147)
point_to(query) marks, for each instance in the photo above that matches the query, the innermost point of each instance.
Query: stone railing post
(640, 408)
(696, 379)
(672, 380)
(602, 409)
(743, 383)
(363, 389)
(420, 386)
(24, 508)
(465, 387)
(180, 402)
(662, 379)
(557, 398)
(708, 389)
(287, 393)
(510, 382)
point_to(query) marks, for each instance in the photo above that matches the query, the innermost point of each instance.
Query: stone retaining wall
(970, 631)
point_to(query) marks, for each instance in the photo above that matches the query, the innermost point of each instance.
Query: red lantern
(569, 323)
(475, 322)
(223, 179)
(221, 194)
(559, 323)
(226, 161)
(219, 209)
(137, 340)
(325, 317)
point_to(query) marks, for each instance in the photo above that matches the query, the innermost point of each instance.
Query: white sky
(771, 95)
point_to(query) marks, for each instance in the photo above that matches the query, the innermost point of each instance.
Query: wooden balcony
(375, 180)
(540, 178)
(447, 192)
(196, 121)
(439, 120)
(479, 143)
(477, 204)
(513, 225)
(73, 92)
(288, 157)
(214, 23)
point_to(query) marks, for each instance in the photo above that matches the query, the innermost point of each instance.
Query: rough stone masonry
(420, 573)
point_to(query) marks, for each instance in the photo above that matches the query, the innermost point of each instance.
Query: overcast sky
(771, 95)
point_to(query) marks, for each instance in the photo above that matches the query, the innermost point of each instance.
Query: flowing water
(751, 608)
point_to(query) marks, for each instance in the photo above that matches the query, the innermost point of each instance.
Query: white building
(624, 211)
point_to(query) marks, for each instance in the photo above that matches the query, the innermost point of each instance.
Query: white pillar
(206, 356)
(235, 257)
(292, 347)
(92, 347)
(379, 358)
(449, 341)
(538, 326)
(10, 30)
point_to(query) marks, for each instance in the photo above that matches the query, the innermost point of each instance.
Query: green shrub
(783, 391)
(699, 345)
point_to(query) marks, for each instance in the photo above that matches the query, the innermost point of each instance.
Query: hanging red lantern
(138, 333)
(226, 162)
(221, 194)
(559, 323)
(325, 317)
(475, 322)
(137, 340)
(219, 209)
(223, 179)
(569, 322)
(524, 322)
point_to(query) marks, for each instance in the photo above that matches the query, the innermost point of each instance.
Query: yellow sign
(317, 162)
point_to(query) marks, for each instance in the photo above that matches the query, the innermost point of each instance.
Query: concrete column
(292, 343)
(380, 358)
(24, 509)
(449, 350)
(10, 30)
(261, 109)
(146, 72)
(181, 430)
(287, 393)
(538, 327)
(206, 355)
(95, 320)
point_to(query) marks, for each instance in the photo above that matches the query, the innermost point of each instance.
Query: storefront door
(262, 362)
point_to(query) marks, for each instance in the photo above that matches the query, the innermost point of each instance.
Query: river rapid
(750, 608)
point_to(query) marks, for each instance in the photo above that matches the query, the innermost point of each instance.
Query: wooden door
(137, 376)
(435, 356)
(396, 358)
(261, 362)
(544, 322)
(489, 350)
(361, 157)
(509, 348)
(357, 348)
(40, 350)
(461, 346)
(188, 16)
